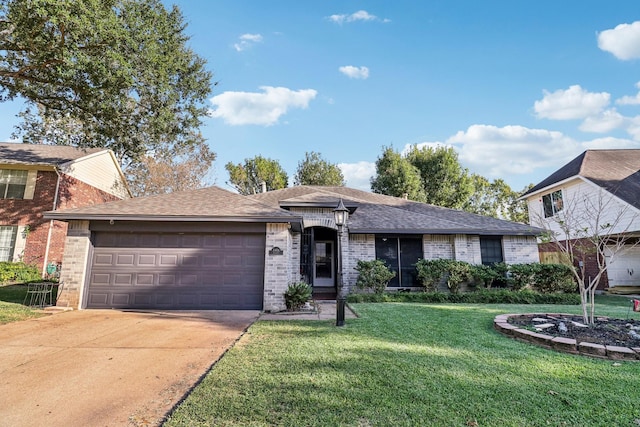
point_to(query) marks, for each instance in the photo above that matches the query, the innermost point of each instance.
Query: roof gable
(378, 213)
(41, 154)
(616, 171)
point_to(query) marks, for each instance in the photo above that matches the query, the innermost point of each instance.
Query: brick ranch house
(213, 249)
(602, 185)
(35, 179)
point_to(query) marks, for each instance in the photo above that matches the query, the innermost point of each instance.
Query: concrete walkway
(326, 310)
(108, 367)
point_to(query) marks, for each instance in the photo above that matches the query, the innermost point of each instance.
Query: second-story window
(12, 183)
(552, 203)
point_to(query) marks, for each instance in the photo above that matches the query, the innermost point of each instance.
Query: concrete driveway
(108, 367)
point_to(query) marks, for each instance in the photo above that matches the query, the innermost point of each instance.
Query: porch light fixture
(341, 216)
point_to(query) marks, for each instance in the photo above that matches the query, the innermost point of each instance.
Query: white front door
(323, 264)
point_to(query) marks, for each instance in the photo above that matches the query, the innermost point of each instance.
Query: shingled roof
(40, 154)
(616, 171)
(205, 204)
(377, 213)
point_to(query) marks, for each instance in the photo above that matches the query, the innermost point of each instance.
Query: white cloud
(630, 100)
(633, 128)
(358, 175)
(246, 41)
(610, 143)
(573, 103)
(606, 121)
(623, 41)
(355, 72)
(497, 152)
(259, 108)
(361, 15)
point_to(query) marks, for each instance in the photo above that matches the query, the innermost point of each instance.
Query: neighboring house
(597, 182)
(38, 178)
(213, 249)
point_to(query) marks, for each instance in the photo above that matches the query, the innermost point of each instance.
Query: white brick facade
(437, 247)
(520, 249)
(467, 248)
(278, 269)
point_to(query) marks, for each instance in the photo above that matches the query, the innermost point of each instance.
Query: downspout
(55, 206)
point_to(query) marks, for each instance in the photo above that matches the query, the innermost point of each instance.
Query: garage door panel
(144, 279)
(168, 260)
(125, 260)
(103, 259)
(147, 260)
(211, 271)
(123, 279)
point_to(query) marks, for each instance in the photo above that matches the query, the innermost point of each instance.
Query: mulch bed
(605, 331)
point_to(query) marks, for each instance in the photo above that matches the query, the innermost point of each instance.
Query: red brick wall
(590, 261)
(72, 194)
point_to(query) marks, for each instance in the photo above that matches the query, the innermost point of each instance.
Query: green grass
(11, 308)
(404, 364)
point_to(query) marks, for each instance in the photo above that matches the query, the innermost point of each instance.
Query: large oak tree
(103, 73)
(315, 170)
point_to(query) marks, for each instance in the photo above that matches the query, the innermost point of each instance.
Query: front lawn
(11, 308)
(411, 364)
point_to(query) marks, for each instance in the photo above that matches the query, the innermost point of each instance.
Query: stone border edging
(562, 344)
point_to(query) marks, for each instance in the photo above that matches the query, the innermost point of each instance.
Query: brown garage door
(177, 271)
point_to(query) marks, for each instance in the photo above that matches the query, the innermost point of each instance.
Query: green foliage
(247, 178)
(523, 276)
(395, 176)
(102, 73)
(314, 170)
(496, 199)
(551, 278)
(482, 296)
(445, 182)
(431, 272)
(434, 271)
(373, 274)
(434, 175)
(296, 295)
(18, 272)
(485, 275)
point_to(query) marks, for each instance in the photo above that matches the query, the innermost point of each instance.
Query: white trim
(319, 222)
(637, 211)
(48, 245)
(30, 188)
(549, 187)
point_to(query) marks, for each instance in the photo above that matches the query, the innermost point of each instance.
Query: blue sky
(517, 88)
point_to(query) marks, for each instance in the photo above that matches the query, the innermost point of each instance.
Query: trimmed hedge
(483, 296)
(18, 272)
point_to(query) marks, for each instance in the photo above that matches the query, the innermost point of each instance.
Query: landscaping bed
(607, 338)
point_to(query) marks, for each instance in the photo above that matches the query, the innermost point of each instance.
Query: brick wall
(75, 261)
(23, 212)
(277, 268)
(590, 261)
(467, 248)
(437, 247)
(520, 249)
(361, 247)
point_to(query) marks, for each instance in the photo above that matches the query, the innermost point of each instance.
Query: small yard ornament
(636, 305)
